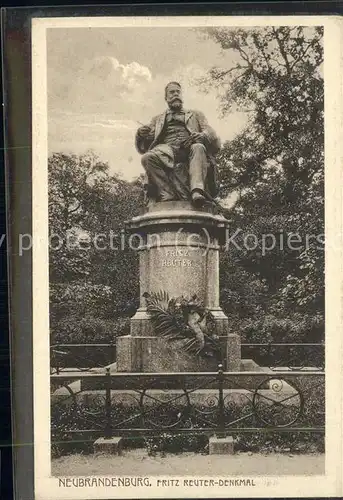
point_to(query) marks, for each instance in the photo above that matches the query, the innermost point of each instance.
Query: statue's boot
(198, 198)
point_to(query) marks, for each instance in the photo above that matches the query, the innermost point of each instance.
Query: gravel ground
(137, 462)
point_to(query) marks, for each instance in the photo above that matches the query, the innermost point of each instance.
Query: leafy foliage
(276, 168)
(93, 273)
(186, 319)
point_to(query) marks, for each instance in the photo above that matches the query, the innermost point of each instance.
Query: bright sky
(101, 82)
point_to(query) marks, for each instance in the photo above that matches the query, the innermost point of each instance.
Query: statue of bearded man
(178, 148)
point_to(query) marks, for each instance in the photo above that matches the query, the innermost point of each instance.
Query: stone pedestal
(154, 354)
(179, 253)
(221, 446)
(111, 446)
(233, 353)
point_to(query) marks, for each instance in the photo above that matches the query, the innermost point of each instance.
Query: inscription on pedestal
(183, 257)
(176, 263)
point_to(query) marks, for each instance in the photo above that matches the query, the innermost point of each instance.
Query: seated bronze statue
(178, 149)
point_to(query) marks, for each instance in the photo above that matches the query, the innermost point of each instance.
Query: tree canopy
(93, 273)
(276, 165)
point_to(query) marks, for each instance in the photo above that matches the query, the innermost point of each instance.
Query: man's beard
(176, 103)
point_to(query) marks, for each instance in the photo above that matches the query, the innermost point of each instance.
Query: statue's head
(173, 95)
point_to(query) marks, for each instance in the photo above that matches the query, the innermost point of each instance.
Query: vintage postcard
(187, 257)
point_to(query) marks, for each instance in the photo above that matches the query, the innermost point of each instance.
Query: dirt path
(137, 462)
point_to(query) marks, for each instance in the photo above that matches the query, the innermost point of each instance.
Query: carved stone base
(221, 321)
(140, 324)
(157, 355)
(151, 354)
(179, 254)
(233, 353)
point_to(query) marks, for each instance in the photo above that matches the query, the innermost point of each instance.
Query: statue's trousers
(170, 180)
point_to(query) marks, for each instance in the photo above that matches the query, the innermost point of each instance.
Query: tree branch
(301, 56)
(265, 58)
(244, 55)
(260, 47)
(282, 51)
(227, 72)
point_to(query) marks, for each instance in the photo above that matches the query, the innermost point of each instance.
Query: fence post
(221, 416)
(108, 409)
(114, 352)
(55, 359)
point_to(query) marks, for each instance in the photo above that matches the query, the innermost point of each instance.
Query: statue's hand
(198, 137)
(194, 138)
(144, 131)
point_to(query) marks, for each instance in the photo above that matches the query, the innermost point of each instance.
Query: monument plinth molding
(178, 253)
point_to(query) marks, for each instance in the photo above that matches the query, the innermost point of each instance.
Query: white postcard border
(46, 486)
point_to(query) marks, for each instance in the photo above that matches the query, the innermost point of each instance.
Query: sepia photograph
(183, 175)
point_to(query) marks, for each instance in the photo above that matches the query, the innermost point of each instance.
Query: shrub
(297, 442)
(85, 330)
(270, 328)
(176, 443)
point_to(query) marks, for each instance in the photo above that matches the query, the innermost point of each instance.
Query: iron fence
(81, 357)
(295, 356)
(132, 404)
